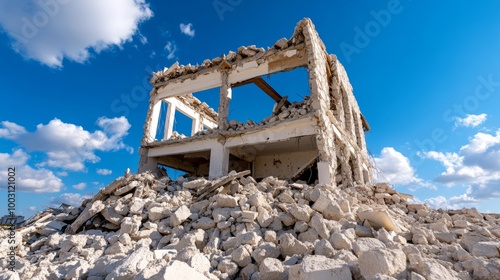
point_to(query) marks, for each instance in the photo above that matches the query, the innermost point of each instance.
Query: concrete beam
(202, 82)
(182, 147)
(282, 131)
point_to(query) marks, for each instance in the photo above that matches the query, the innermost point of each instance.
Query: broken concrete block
(158, 213)
(180, 271)
(290, 246)
(487, 249)
(200, 263)
(340, 241)
(180, 215)
(320, 225)
(301, 212)
(324, 248)
(204, 223)
(136, 205)
(229, 267)
(281, 43)
(382, 261)
(379, 219)
(272, 269)
(90, 211)
(223, 200)
(111, 216)
(241, 256)
(195, 184)
(365, 244)
(265, 250)
(320, 268)
(264, 218)
(130, 225)
(130, 186)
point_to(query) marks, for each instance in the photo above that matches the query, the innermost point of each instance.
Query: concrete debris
(222, 236)
(214, 224)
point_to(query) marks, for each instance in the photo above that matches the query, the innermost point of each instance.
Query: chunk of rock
(382, 261)
(180, 215)
(289, 245)
(271, 269)
(320, 268)
(179, 271)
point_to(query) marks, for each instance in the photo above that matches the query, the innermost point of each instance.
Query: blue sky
(74, 86)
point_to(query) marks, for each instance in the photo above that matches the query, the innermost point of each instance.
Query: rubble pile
(241, 55)
(141, 227)
(294, 111)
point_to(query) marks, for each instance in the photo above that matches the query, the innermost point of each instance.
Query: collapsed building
(321, 138)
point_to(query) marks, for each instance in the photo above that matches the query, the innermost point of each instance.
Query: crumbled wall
(340, 144)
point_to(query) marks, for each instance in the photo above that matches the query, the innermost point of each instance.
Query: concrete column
(196, 125)
(225, 99)
(360, 133)
(357, 171)
(146, 163)
(153, 122)
(219, 161)
(326, 174)
(169, 123)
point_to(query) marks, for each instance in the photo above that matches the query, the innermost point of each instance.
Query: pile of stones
(143, 227)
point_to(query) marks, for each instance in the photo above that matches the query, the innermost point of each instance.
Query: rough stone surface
(382, 261)
(206, 241)
(320, 268)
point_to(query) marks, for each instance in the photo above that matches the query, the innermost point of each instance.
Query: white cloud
(69, 146)
(11, 130)
(104, 171)
(476, 162)
(28, 179)
(62, 174)
(53, 30)
(476, 165)
(74, 199)
(171, 48)
(143, 39)
(187, 29)
(454, 202)
(471, 120)
(395, 168)
(32, 208)
(80, 186)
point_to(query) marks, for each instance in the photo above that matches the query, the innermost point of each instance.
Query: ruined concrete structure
(322, 136)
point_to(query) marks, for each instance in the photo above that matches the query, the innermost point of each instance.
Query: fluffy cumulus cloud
(395, 168)
(471, 120)
(28, 179)
(477, 162)
(476, 165)
(69, 146)
(104, 171)
(74, 199)
(187, 29)
(50, 31)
